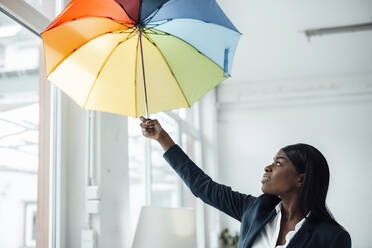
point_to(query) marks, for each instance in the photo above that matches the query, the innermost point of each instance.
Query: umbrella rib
(93, 38)
(173, 19)
(104, 64)
(153, 31)
(126, 12)
(88, 17)
(170, 69)
(187, 43)
(158, 24)
(153, 14)
(82, 46)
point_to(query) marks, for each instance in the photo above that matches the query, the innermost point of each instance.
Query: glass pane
(165, 184)
(136, 151)
(165, 188)
(190, 115)
(192, 148)
(180, 112)
(193, 116)
(19, 136)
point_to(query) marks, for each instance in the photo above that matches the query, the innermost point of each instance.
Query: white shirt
(268, 236)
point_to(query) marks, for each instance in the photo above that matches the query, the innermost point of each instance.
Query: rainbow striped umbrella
(136, 57)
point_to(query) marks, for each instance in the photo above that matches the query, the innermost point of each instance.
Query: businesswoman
(290, 213)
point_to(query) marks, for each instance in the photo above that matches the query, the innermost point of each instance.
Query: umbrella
(136, 57)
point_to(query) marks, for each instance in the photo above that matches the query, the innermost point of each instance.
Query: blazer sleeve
(342, 240)
(202, 186)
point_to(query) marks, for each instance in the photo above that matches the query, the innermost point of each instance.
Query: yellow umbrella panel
(106, 74)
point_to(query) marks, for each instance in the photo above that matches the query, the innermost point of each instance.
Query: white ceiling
(274, 48)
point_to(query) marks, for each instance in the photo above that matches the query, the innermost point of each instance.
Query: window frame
(36, 22)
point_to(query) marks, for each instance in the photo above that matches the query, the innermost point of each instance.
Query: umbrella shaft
(143, 73)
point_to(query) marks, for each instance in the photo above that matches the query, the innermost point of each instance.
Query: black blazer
(252, 212)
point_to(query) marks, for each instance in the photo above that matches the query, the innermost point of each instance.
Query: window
(164, 183)
(192, 147)
(164, 186)
(19, 133)
(151, 180)
(190, 117)
(137, 177)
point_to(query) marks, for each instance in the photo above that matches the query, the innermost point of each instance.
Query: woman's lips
(265, 179)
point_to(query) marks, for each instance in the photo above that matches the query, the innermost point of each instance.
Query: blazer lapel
(302, 236)
(258, 224)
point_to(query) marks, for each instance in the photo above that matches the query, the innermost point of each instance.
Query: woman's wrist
(165, 140)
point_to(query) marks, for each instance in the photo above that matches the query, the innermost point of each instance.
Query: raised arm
(201, 185)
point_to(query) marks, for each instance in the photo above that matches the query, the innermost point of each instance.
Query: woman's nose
(268, 168)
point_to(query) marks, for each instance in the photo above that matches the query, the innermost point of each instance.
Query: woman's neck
(290, 208)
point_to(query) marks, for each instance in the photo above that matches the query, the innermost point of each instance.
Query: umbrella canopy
(133, 57)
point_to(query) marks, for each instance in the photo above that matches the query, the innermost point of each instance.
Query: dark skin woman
(281, 179)
(298, 179)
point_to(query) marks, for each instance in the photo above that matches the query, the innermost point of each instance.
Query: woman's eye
(278, 163)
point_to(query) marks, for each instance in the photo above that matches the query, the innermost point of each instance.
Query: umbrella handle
(143, 73)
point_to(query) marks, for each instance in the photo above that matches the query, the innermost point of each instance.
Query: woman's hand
(153, 130)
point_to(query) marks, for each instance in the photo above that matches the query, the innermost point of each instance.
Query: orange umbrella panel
(84, 20)
(78, 9)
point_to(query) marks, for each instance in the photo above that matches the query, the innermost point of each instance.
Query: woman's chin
(264, 189)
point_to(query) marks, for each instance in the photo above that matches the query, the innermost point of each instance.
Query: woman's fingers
(144, 125)
(148, 122)
(150, 128)
(148, 131)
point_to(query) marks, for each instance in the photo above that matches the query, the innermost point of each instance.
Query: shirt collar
(278, 207)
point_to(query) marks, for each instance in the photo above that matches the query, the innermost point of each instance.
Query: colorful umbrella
(135, 57)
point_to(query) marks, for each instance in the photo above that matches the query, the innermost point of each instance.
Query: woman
(291, 212)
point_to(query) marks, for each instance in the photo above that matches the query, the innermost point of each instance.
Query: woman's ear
(301, 179)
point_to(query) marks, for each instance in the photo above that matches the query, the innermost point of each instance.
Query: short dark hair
(309, 160)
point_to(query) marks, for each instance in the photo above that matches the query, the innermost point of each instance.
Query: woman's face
(280, 177)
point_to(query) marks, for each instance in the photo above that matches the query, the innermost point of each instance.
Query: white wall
(249, 139)
(273, 45)
(286, 90)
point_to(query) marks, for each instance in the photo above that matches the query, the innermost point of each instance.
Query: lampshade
(165, 227)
